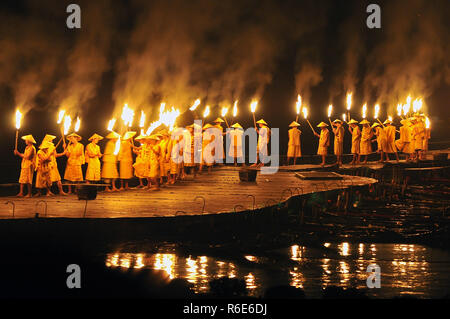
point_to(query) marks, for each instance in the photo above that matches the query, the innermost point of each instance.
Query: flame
(142, 120)
(298, 104)
(364, 111)
(305, 112)
(77, 125)
(18, 119)
(405, 109)
(67, 123)
(408, 101)
(399, 109)
(194, 106)
(253, 106)
(224, 111)
(377, 110)
(161, 108)
(127, 115)
(61, 116)
(206, 112)
(235, 108)
(330, 109)
(349, 101)
(427, 123)
(111, 124)
(390, 118)
(344, 117)
(167, 118)
(417, 105)
(117, 147)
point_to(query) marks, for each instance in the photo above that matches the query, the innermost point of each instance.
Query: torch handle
(63, 137)
(226, 122)
(296, 118)
(330, 122)
(380, 122)
(254, 121)
(311, 126)
(17, 137)
(348, 115)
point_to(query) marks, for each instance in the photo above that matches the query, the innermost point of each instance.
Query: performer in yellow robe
(404, 143)
(324, 141)
(75, 158)
(390, 131)
(219, 151)
(140, 168)
(263, 141)
(164, 158)
(27, 165)
(381, 140)
(294, 144)
(44, 168)
(109, 168)
(175, 154)
(54, 174)
(354, 129)
(154, 152)
(93, 155)
(366, 140)
(418, 132)
(207, 153)
(125, 159)
(235, 150)
(191, 145)
(338, 140)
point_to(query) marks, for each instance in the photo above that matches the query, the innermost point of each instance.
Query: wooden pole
(17, 137)
(254, 121)
(226, 122)
(310, 126)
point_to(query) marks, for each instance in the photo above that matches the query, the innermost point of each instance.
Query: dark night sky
(145, 52)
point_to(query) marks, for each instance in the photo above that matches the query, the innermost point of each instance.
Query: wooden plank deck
(221, 189)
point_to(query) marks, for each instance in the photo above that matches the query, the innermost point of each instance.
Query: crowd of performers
(154, 163)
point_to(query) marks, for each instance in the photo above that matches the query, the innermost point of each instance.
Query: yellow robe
(390, 139)
(154, 151)
(356, 140)
(44, 167)
(175, 156)
(109, 169)
(27, 165)
(208, 154)
(366, 144)
(294, 145)
(418, 132)
(339, 140)
(93, 172)
(324, 142)
(404, 143)
(125, 158)
(164, 165)
(381, 139)
(75, 158)
(235, 149)
(54, 173)
(263, 140)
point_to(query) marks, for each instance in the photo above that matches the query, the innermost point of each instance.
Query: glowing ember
(224, 111)
(194, 106)
(349, 101)
(235, 108)
(142, 120)
(61, 116)
(77, 125)
(298, 104)
(18, 119)
(67, 123)
(364, 111)
(206, 112)
(111, 124)
(253, 106)
(377, 110)
(330, 109)
(127, 115)
(305, 112)
(117, 147)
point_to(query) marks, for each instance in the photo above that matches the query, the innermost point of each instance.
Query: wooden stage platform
(222, 191)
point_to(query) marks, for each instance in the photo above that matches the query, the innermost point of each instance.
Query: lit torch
(399, 110)
(305, 115)
(127, 115)
(253, 106)
(344, 117)
(364, 111)
(330, 110)
(77, 125)
(18, 120)
(235, 110)
(298, 106)
(349, 103)
(117, 147)
(194, 106)
(111, 124)
(67, 123)
(408, 104)
(377, 112)
(142, 122)
(206, 112)
(224, 113)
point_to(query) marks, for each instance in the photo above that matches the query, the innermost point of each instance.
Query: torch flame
(61, 116)
(417, 105)
(253, 106)
(364, 111)
(194, 106)
(206, 112)
(399, 109)
(67, 123)
(127, 115)
(235, 108)
(77, 125)
(142, 120)
(117, 146)
(298, 104)
(377, 110)
(405, 109)
(305, 112)
(427, 123)
(349, 101)
(344, 117)
(18, 119)
(224, 111)
(111, 124)
(390, 118)
(330, 109)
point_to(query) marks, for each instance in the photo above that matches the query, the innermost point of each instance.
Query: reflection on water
(405, 269)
